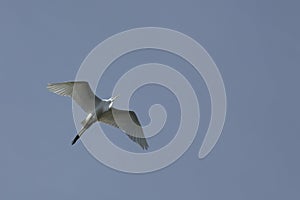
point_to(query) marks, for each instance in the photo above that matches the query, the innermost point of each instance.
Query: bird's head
(111, 100)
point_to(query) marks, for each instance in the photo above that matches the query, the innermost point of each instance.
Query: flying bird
(100, 110)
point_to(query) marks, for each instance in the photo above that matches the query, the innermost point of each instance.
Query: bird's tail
(78, 135)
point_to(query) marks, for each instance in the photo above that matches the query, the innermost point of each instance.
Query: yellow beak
(114, 98)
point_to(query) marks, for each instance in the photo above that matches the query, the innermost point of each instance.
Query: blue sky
(256, 47)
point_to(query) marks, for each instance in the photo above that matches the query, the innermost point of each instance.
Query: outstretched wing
(128, 122)
(80, 91)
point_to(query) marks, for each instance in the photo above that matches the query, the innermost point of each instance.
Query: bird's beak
(114, 98)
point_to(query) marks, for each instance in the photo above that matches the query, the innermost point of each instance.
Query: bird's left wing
(128, 122)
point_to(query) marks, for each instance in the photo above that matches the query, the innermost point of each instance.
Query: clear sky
(256, 47)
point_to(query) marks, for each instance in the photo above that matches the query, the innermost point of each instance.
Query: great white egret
(100, 110)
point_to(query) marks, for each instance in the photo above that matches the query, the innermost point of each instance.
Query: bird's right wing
(80, 91)
(128, 122)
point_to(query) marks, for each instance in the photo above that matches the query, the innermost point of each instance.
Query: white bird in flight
(100, 110)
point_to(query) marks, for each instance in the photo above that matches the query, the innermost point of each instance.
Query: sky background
(255, 44)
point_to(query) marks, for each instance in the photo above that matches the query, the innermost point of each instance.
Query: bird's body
(100, 110)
